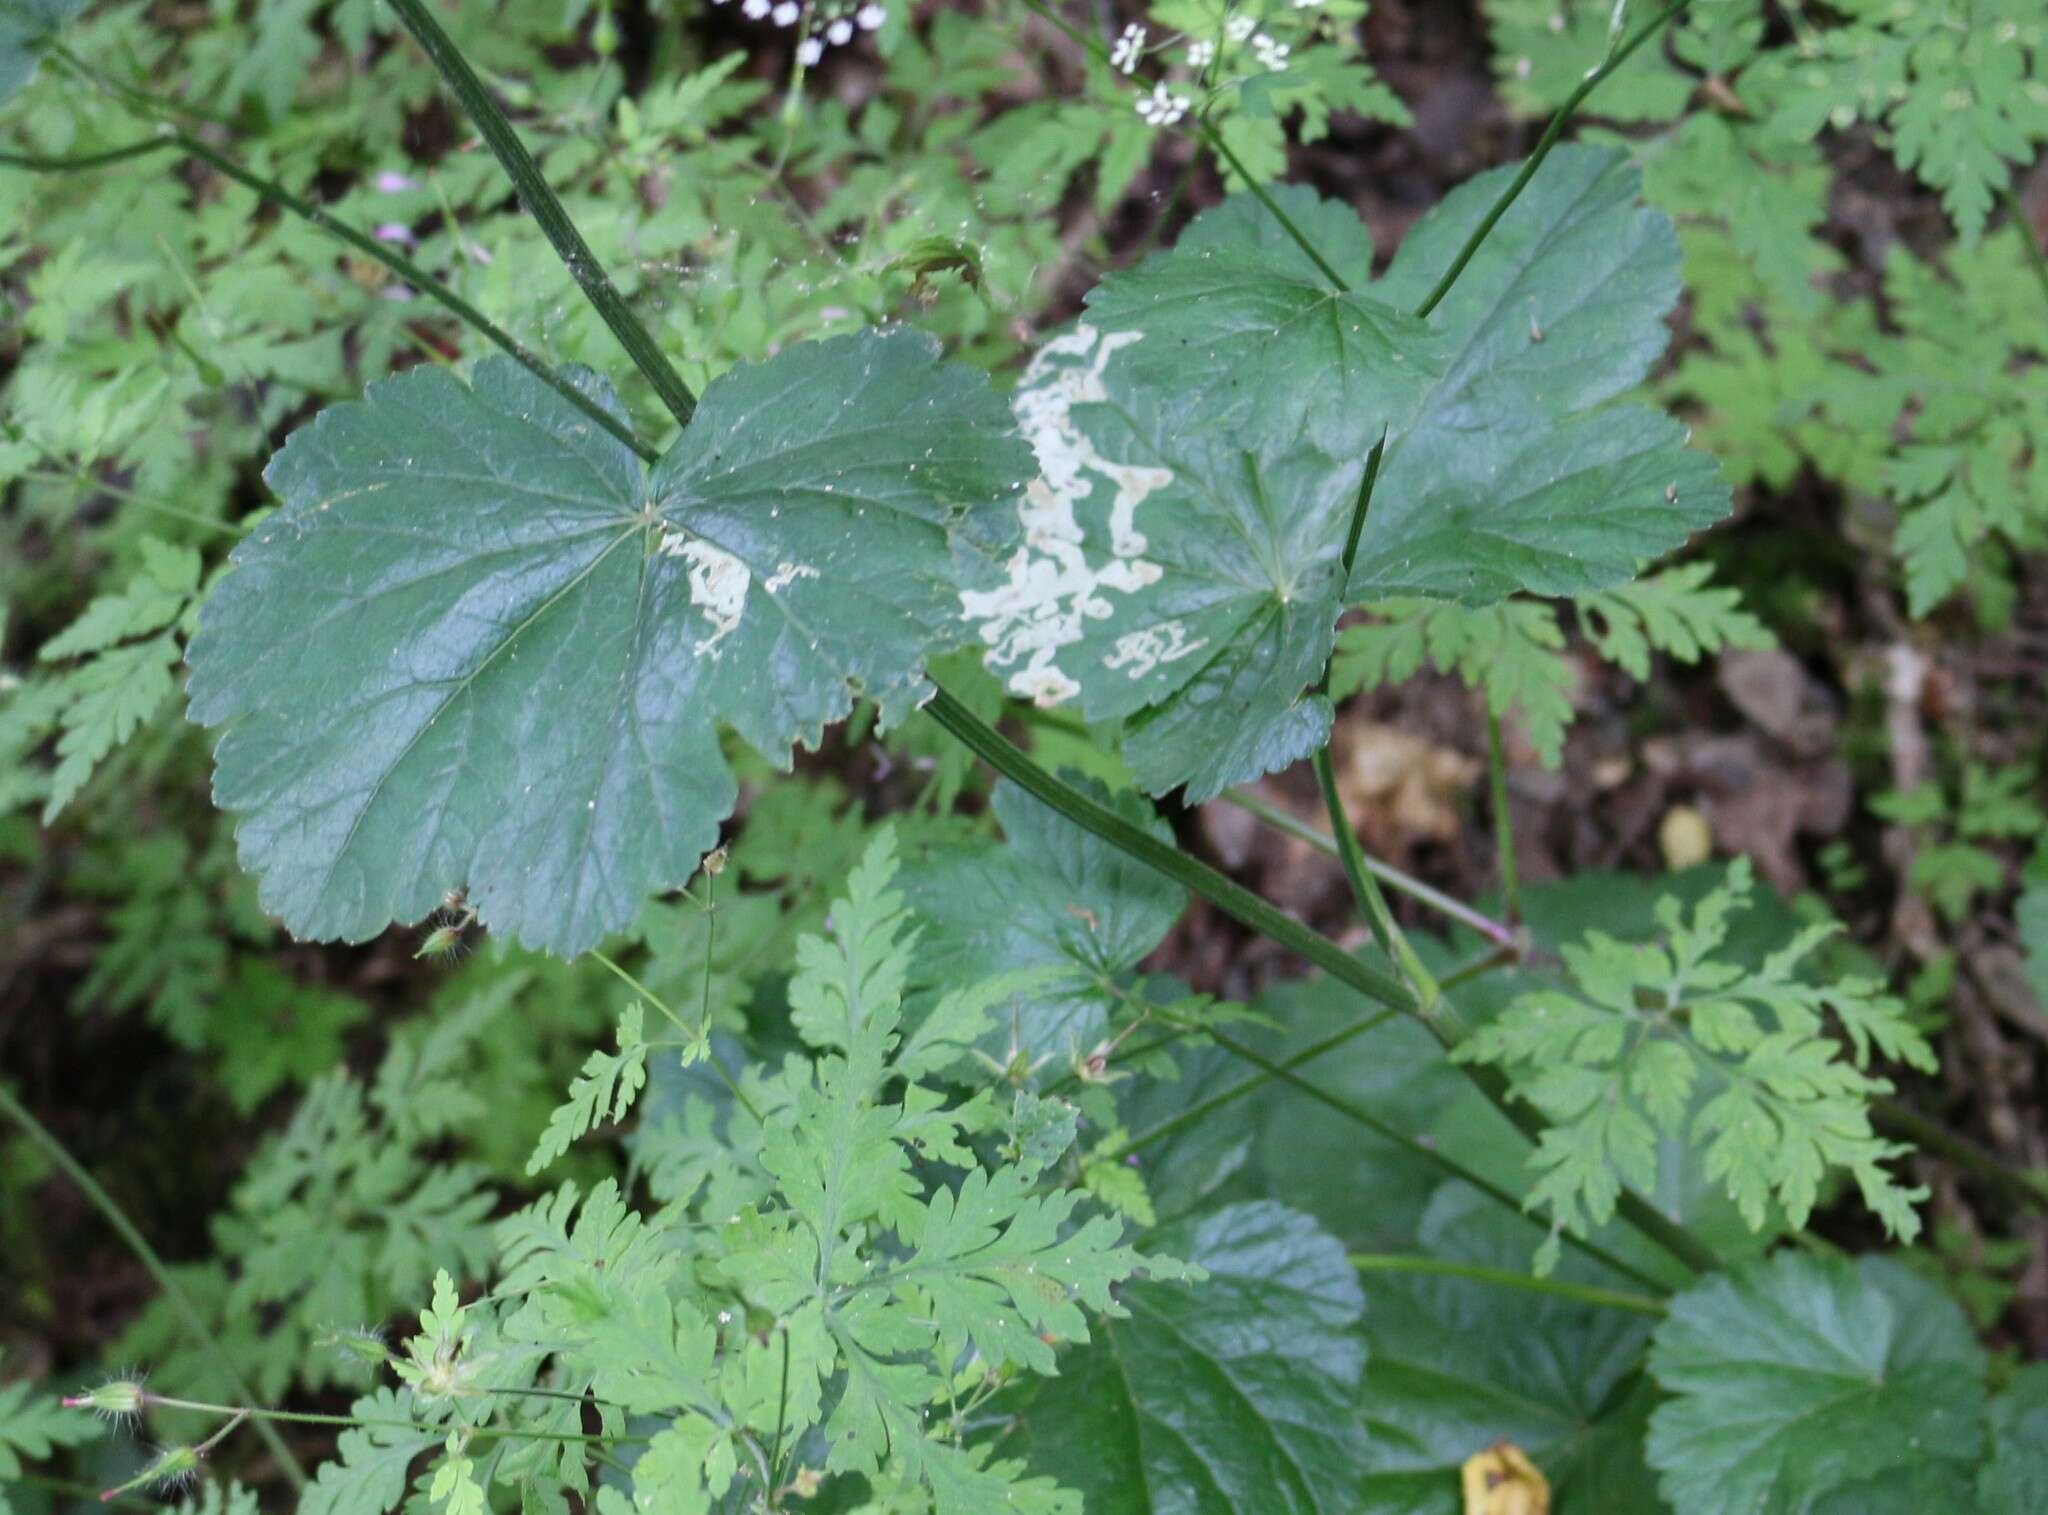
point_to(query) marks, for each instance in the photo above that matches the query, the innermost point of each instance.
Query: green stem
(1189, 1114)
(1500, 957)
(1365, 891)
(1503, 822)
(695, 1034)
(1544, 144)
(1222, 149)
(1360, 506)
(1234, 900)
(41, 163)
(1559, 1288)
(126, 1229)
(422, 281)
(276, 194)
(2024, 230)
(1445, 1164)
(1386, 873)
(310, 1418)
(545, 209)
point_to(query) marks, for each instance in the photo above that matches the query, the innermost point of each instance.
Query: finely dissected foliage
(1515, 651)
(840, 1306)
(1673, 1039)
(886, 1174)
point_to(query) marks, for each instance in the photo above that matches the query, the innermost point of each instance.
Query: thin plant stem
(781, 1414)
(2024, 230)
(137, 1243)
(1448, 1165)
(1365, 890)
(1500, 957)
(44, 163)
(1249, 909)
(1505, 1278)
(1214, 138)
(694, 1033)
(1503, 822)
(81, 1490)
(1188, 1114)
(312, 1418)
(546, 209)
(1232, 898)
(1544, 144)
(1386, 873)
(84, 480)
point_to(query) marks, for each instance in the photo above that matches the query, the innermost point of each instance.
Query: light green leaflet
(481, 646)
(1202, 436)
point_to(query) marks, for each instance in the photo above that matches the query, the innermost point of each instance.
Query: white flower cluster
(1162, 107)
(831, 25)
(1272, 55)
(1129, 48)
(1268, 51)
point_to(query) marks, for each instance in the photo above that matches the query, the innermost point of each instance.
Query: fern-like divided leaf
(32, 1426)
(1667, 1039)
(102, 679)
(856, 1271)
(1515, 652)
(605, 1090)
(481, 646)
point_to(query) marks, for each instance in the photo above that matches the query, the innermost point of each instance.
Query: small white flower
(869, 18)
(395, 231)
(1237, 28)
(391, 182)
(755, 9)
(1129, 47)
(1272, 54)
(809, 51)
(786, 13)
(1308, 5)
(1201, 54)
(1162, 107)
(840, 32)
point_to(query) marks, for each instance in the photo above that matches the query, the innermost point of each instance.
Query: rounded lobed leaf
(478, 648)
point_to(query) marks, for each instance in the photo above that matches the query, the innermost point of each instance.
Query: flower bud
(116, 1399)
(441, 942)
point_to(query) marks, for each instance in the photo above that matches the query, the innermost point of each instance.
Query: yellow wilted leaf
(1502, 1481)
